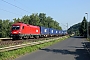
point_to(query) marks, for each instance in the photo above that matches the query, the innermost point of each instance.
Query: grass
(88, 39)
(6, 45)
(10, 55)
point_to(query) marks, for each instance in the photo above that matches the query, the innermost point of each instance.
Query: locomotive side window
(23, 27)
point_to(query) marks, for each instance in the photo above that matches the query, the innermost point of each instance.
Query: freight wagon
(53, 32)
(60, 32)
(64, 32)
(44, 31)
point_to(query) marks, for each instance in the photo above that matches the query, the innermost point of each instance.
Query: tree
(74, 28)
(5, 28)
(42, 17)
(0, 28)
(79, 28)
(83, 27)
(34, 19)
(16, 20)
(25, 19)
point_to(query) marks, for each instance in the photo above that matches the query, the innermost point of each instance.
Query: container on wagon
(44, 31)
(60, 32)
(52, 31)
(56, 32)
(64, 32)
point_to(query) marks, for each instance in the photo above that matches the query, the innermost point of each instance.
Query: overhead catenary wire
(65, 26)
(15, 6)
(21, 3)
(10, 12)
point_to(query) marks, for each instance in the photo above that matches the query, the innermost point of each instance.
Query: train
(21, 30)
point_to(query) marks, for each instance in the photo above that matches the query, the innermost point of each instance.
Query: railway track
(10, 42)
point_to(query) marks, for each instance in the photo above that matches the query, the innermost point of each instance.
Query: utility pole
(87, 25)
(67, 26)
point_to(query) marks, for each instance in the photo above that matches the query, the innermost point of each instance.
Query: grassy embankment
(88, 39)
(10, 55)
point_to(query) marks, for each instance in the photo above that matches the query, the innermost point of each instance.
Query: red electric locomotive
(20, 30)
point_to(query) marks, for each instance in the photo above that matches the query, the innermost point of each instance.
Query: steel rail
(27, 44)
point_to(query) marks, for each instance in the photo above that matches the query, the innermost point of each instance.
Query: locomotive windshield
(15, 27)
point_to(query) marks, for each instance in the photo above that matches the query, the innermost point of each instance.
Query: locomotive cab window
(23, 27)
(15, 27)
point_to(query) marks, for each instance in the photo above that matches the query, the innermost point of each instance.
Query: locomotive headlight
(19, 32)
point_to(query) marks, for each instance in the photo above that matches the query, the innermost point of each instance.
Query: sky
(63, 11)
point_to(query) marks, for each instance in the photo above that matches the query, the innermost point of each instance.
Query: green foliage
(83, 27)
(0, 28)
(35, 19)
(25, 19)
(5, 28)
(80, 28)
(10, 55)
(74, 29)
